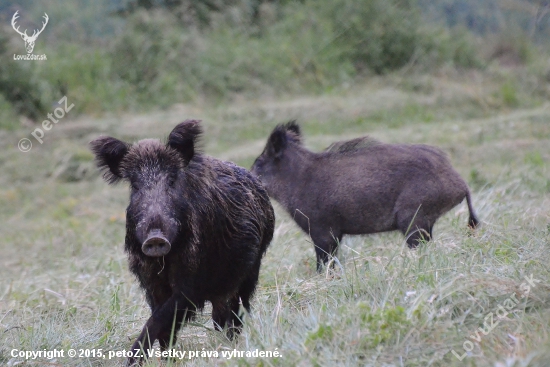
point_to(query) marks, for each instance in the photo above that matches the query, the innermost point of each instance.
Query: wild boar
(360, 186)
(196, 230)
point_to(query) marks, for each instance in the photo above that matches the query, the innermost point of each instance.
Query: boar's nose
(156, 244)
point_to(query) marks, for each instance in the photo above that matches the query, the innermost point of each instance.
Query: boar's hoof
(156, 245)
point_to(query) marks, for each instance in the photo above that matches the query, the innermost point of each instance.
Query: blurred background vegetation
(136, 55)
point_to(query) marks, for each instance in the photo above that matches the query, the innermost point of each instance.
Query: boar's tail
(473, 221)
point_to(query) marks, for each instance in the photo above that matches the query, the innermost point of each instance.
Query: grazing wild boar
(359, 186)
(196, 230)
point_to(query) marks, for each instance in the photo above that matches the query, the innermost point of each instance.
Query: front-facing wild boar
(359, 186)
(196, 230)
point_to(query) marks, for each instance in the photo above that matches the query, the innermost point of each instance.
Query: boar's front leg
(326, 245)
(159, 326)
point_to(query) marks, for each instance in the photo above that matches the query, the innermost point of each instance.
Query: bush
(250, 47)
(438, 45)
(153, 56)
(380, 35)
(18, 84)
(8, 117)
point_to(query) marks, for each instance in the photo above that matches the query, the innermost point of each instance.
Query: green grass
(65, 282)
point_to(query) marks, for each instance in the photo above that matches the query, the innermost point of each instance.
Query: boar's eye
(258, 162)
(135, 186)
(172, 180)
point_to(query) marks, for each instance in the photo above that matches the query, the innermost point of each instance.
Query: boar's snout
(156, 244)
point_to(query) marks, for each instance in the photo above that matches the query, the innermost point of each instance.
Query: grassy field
(64, 281)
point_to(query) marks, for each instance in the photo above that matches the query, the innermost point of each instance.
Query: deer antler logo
(29, 41)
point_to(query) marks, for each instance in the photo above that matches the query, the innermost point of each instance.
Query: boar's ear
(109, 153)
(293, 127)
(277, 143)
(184, 138)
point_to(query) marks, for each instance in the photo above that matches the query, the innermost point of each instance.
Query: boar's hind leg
(227, 314)
(248, 286)
(236, 321)
(246, 292)
(416, 230)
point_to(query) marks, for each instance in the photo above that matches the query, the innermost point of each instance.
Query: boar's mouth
(156, 244)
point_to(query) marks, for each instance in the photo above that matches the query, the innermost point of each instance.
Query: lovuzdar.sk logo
(29, 40)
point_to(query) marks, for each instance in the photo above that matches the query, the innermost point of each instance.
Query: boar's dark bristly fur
(196, 230)
(360, 186)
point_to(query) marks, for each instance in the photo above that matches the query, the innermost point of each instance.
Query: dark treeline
(140, 54)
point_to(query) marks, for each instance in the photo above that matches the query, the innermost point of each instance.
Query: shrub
(18, 84)
(251, 47)
(380, 35)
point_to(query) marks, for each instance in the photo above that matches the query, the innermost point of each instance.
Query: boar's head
(155, 172)
(276, 161)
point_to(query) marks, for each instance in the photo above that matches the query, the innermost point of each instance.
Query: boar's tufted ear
(109, 153)
(184, 138)
(277, 142)
(293, 127)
